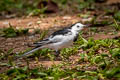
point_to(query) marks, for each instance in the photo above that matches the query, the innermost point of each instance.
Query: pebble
(30, 23)
(38, 22)
(6, 23)
(31, 30)
(66, 17)
(87, 19)
(36, 26)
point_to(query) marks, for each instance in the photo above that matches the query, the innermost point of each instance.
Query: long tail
(31, 51)
(38, 45)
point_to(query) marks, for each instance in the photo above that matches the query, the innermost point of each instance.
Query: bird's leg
(57, 53)
(58, 58)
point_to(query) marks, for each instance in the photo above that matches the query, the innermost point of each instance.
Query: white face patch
(77, 27)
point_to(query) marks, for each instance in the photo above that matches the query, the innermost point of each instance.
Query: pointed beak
(87, 25)
(84, 25)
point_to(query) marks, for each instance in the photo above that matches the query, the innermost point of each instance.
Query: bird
(58, 40)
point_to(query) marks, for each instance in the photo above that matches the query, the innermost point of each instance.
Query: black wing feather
(62, 31)
(40, 43)
(76, 37)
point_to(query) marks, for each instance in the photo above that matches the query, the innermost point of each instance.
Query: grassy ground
(87, 59)
(94, 56)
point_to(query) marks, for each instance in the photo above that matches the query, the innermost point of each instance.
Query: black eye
(78, 26)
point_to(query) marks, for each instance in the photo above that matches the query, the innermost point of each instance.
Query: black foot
(58, 58)
(57, 53)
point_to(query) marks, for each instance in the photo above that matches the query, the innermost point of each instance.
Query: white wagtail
(59, 39)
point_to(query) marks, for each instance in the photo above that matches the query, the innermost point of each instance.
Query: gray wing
(42, 42)
(51, 39)
(55, 37)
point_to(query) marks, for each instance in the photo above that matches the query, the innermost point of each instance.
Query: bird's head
(78, 27)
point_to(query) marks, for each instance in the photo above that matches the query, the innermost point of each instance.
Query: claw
(57, 53)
